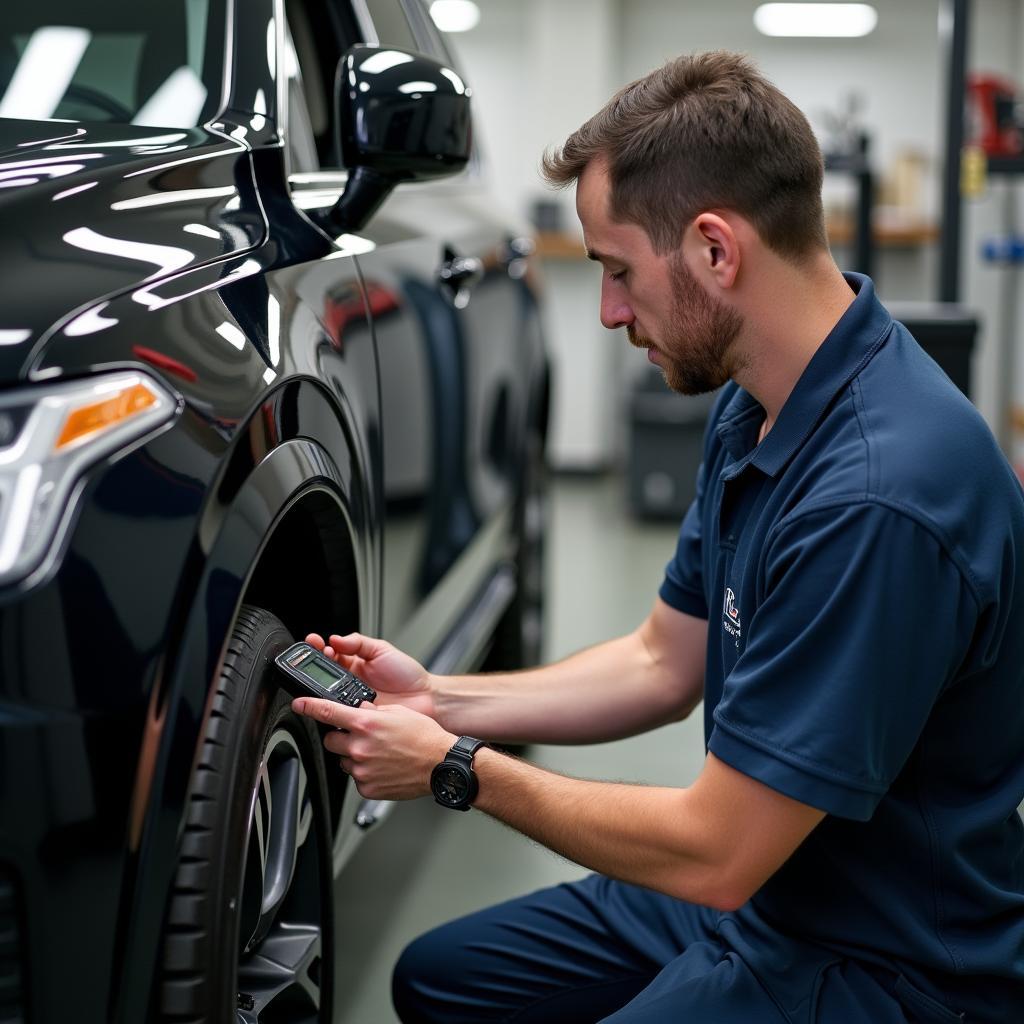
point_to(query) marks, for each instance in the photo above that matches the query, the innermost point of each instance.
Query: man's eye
(618, 275)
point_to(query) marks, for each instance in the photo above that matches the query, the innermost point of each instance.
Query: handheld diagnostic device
(312, 674)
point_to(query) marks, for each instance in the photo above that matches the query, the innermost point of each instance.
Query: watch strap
(464, 748)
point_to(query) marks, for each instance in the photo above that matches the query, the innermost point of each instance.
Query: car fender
(246, 502)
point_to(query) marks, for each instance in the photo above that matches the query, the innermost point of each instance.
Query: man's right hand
(397, 678)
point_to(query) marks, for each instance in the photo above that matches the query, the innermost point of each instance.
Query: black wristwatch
(453, 781)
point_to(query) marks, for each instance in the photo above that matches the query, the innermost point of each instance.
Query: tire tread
(186, 953)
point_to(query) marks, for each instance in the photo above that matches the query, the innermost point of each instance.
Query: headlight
(49, 436)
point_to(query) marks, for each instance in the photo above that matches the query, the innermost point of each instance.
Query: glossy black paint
(402, 114)
(403, 117)
(336, 404)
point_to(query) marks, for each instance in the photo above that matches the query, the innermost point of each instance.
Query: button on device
(310, 673)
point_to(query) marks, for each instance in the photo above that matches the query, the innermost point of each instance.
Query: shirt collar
(847, 349)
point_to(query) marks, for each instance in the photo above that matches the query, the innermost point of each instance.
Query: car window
(304, 121)
(390, 24)
(321, 31)
(145, 64)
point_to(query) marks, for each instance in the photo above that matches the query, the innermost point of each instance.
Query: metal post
(953, 37)
(864, 239)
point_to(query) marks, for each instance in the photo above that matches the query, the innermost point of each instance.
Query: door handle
(460, 274)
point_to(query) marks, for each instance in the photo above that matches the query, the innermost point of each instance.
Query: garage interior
(412, 873)
(622, 450)
(918, 106)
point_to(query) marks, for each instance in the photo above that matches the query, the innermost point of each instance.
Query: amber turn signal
(98, 416)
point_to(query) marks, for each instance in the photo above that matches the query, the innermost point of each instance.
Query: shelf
(557, 245)
(841, 232)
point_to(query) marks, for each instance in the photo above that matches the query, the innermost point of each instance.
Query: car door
(471, 311)
(434, 262)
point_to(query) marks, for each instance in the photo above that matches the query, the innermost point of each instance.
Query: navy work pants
(600, 950)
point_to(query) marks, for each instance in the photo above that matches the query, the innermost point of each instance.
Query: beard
(700, 332)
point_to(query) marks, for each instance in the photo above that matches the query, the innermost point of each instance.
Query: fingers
(330, 712)
(355, 645)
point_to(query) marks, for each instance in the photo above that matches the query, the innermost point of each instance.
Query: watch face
(450, 784)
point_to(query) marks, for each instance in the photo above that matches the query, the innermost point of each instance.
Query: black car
(270, 363)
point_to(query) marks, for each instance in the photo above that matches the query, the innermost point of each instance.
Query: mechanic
(847, 597)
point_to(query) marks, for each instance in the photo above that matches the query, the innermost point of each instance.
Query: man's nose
(615, 311)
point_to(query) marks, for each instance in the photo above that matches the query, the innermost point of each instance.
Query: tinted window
(303, 123)
(391, 24)
(321, 32)
(140, 63)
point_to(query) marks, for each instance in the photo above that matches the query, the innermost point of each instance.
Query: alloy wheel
(280, 910)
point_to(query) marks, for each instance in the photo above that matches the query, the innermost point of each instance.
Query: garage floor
(424, 865)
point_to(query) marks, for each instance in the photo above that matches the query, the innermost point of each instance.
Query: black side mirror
(401, 117)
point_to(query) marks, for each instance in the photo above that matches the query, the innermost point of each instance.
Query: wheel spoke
(288, 789)
(279, 966)
(284, 968)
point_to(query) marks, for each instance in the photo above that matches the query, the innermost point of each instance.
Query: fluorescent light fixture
(274, 329)
(166, 258)
(460, 85)
(177, 103)
(181, 195)
(90, 322)
(383, 60)
(351, 245)
(201, 229)
(413, 87)
(815, 19)
(232, 335)
(71, 191)
(455, 15)
(50, 60)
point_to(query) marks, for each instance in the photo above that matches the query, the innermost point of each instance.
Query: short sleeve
(862, 620)
(683, 585)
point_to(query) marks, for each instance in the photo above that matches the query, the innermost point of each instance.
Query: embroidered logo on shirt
(731, 616)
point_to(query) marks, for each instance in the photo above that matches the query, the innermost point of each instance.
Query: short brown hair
(705, 131)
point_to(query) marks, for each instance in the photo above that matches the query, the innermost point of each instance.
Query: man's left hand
(389, 751)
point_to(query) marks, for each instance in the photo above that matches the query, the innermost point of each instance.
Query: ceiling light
(455, 15)
(815, 19)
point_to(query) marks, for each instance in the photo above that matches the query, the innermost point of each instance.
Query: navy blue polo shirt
(862, 574)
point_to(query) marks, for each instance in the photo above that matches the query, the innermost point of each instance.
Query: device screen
(325, 677)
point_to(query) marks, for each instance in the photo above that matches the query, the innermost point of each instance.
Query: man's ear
(713, 249)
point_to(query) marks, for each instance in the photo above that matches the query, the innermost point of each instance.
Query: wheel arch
(315, 534)
(310, 545)
(275, 499)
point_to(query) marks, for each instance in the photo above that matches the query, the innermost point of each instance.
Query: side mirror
(402, 117)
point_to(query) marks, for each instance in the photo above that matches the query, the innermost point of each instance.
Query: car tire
(250, 923)
(519, 637)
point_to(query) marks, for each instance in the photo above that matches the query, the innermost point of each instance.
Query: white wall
(542, 67)
(536, 66)
(531, 66)
(895, 68)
